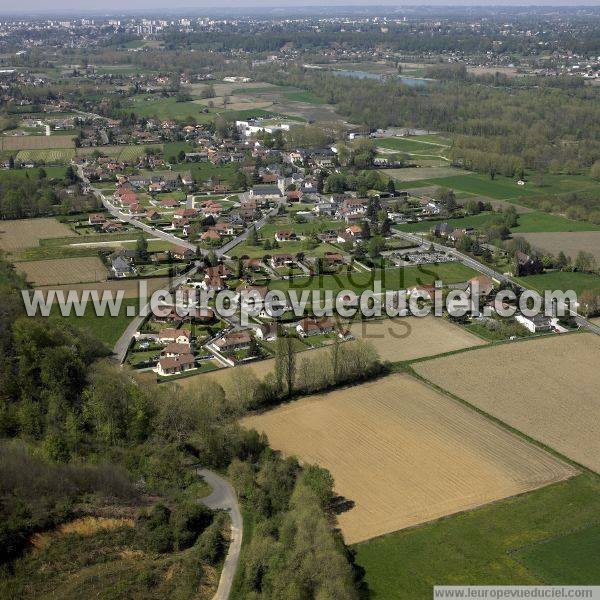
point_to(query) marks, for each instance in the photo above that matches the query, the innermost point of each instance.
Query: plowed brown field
(63, 270)
(408, 338)
(548, 388)
(405, 454)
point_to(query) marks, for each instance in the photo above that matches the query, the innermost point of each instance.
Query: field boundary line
(500, 423)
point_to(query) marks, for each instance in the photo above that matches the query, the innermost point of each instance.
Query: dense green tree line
(515, 127)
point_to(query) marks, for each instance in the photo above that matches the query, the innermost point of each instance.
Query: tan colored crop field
(26, 233)
(418, 173)
(405, 454)
(408, 338)
(130, 287)
(570, 242)
(548, 388)
(63, 270)
(36, 142)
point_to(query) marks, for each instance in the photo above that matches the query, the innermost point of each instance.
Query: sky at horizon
(122, 6)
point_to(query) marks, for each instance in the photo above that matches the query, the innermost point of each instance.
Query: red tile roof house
(220, 270)
(181, 336)
(97, 219)
(294, 196)
(174, 349)
(169, 203)
(166, 312)
(212, 210)
(185, 213)
(234, 340)
(309, 327)
(423, 289)
(127, 198)
(181, 253)
(224, 228)
(485, 285)
(210, 235)
(136, 209)
(253, 263)
(355, 231)
(213, 283)
(286, 236)
(334, 258)
(176, 365)
(153, 215)
(282, 260)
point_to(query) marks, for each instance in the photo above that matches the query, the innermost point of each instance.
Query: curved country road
(223, 497)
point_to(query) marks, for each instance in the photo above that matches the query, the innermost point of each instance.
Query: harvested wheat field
(570, 242)
(27, 233)
(129, 287)
(63, 270)
(405, 454)
(36, 142)
(417, 173)
(548, 388)
(407, 338)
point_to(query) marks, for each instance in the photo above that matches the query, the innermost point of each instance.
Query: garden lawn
(390, 279)
(107, 329)
(501, 188)
(562, 280)
(481, 547)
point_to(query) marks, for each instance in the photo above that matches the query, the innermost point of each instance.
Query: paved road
(485, 270)
(223, 497)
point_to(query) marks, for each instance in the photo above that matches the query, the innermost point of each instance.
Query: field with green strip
(536, 538)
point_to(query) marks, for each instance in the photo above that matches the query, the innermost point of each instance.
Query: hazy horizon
(121, 7)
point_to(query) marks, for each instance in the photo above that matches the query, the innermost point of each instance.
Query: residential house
(234, 340)
(309, 327)
(97, 219)
(121, 267)
(265, 192)
(527, 265)
(286, 236)
(282, 260)
(176, 365)
(183, 253)
(484, 285)
(170, 335)
(267, 332)
(174, 349)
(535, 324)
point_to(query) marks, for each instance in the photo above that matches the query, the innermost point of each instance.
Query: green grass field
(559, 280)
(503, 188)
(528, 223)
(410, 145)
(499, 189)
(538, 221)
(107, 329)
(481, 547)
(303, 96)
(390, 279)
(51, 172)
(573, 559)
(169, 108)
